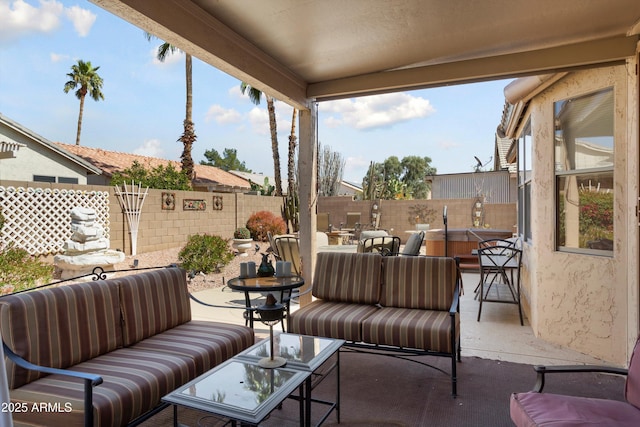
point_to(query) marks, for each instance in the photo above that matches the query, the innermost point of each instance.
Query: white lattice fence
(38, 220)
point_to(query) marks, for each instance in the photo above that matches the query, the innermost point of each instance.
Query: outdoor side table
(284, 285)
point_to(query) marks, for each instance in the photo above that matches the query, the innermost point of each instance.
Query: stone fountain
(87, 248)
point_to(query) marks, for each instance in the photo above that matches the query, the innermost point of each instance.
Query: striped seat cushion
(331, 319)
(404, 327)
(206, 343)
(420, 282)
(134, 383)
(60, 327)
(153, 302)
(347, 277)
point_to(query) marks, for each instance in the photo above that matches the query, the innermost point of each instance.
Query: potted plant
(242, 240)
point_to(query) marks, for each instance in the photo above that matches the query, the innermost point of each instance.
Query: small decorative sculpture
(266, 268)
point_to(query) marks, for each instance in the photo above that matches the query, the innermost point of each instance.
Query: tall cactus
(292, 211)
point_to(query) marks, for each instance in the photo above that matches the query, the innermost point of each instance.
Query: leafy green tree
(161, 177)
(255, 96)
(188, 137)
(228, 161)
(394, 179)
(85, 78)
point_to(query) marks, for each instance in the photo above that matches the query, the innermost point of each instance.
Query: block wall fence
(162, 228)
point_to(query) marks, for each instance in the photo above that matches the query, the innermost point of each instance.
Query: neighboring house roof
(258, 178)
(114, 161)
(501, 155)
(11, 146)
(354, 186)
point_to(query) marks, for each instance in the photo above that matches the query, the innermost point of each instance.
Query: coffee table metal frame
(306, 353)
(309, 353)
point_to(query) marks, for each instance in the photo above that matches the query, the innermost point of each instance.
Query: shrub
(205, 253)
(262, 222)
(161, 177)
(20, 271)
(242, 233)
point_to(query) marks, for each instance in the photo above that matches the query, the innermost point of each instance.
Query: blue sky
(144, 101)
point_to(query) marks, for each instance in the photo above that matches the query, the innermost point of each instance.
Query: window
(65, 180)
(584, 173)
(525, 150)
(44, 178)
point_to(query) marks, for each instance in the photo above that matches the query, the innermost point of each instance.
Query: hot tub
(460, 241)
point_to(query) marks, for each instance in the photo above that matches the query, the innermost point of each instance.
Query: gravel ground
(201, 281)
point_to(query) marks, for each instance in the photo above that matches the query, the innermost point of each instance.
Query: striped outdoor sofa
(112, 348)
(407, 303)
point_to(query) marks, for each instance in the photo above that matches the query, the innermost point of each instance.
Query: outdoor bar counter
(460, 240)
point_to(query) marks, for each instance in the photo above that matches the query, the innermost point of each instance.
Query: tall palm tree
(85, 78)
(292, 187)
(255, 96)
(189, 135)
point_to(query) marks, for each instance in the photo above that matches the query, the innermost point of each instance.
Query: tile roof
(114, 161)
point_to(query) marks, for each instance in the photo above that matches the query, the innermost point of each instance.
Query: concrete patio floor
(497, 336)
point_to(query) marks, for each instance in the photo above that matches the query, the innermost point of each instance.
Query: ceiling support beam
(562, 58)
(191, 29)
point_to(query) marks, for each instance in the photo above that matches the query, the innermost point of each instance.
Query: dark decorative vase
(266, 268)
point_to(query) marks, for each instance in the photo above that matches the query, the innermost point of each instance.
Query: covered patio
(303, 53)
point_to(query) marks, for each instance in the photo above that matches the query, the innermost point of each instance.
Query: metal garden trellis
(131, 202)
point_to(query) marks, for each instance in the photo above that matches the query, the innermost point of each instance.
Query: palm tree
(291, 157)
(84, 77)
(189, 135)
(255, 96)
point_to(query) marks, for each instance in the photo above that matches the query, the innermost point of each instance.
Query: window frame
(561, 173)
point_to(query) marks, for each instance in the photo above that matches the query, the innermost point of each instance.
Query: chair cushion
(367, 234)
(134, 383)
(403, 327)
(152, 302)
(547, 409)
(414, 243)
(632, 386)
(330, 319)
(60, 327)
(347, 277)
(207, 343)
(418, 282)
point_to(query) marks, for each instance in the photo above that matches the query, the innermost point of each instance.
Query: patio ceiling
(302, 50)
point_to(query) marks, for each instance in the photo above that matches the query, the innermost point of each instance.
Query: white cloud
(376, 111)
(259, 119)
(82, 19)
(18, 18)
(57, 57)
(171, 58)
(222, 115)
(151, 148)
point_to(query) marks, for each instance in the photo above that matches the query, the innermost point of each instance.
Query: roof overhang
(305, 51)
(8, 149)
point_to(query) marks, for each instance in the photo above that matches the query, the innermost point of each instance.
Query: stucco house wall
(38, 156)
(585, 302)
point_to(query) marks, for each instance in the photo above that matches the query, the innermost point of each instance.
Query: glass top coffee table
(241, 390)
(238, 389)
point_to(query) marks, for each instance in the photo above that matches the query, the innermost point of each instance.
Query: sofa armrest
(90, 380)
(542, 370)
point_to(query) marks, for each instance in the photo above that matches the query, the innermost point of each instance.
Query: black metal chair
(385, 245)
(500, 265)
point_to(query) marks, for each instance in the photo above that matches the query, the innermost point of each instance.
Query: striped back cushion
(426, 283)
(60, 327)
(347, 277)
(153, 302)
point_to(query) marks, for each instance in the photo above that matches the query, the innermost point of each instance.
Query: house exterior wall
(585, 302)
(35, 159)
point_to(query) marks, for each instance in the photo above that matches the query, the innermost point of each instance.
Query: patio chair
(535, 408)
(500, 266)
(323, 222)
(272, 245)
(414, 243)
(385, 245)
(288, 248)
